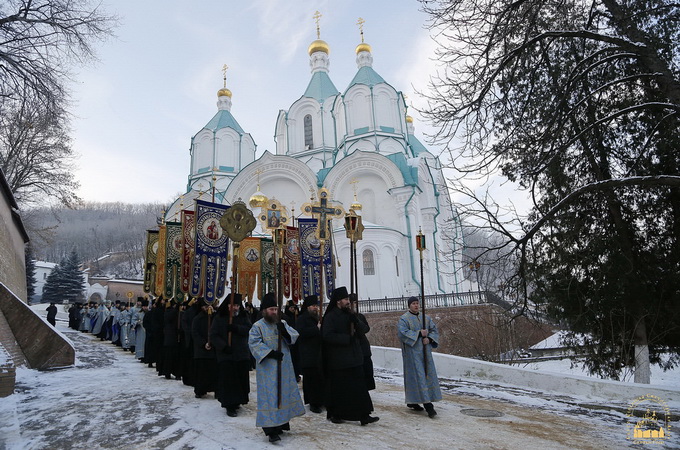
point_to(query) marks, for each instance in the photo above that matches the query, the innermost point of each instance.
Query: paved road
(109, 400)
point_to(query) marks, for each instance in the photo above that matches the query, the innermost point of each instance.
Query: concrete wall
(471, 330)
(43, 347)
(459, 368)
(7, 373)
(12, 239)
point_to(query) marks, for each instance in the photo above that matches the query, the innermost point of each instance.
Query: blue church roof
(410, 173)
(321, 87)
(416, 145)
(223, 119)
(366, 75)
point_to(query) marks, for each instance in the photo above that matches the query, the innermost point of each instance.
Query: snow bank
(456, 367)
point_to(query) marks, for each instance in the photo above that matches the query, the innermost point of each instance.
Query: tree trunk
(642, 366)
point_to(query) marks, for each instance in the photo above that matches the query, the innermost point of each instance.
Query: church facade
(359, 144)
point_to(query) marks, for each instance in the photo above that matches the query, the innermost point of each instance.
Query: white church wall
(384, 245)
(296, 116)
(227, 148)
(358, 106)
(338, 116)
(281, 133)
(385, 107)
(203, 151)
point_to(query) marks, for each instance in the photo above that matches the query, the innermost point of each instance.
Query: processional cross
(325, 211)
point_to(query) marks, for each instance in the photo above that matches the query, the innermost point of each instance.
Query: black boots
(430, 410)
(368, 419)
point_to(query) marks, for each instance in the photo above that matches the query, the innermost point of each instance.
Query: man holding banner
(278, 396)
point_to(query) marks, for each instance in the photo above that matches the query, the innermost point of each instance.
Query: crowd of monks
(213, 350)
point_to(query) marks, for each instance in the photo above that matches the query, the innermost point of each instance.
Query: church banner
(160, 263)
(210, 262)
(310, 249)
(291, 265)
(267, 277)
(173, 261)
(249, 267)
(188, 243)
(150, 260)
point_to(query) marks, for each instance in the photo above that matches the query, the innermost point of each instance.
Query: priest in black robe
(347, 396)
(233, 358)
(309, 348)
(205, 367)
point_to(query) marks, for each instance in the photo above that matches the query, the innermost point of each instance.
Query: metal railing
(431, 301)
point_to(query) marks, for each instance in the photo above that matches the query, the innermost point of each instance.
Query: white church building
(358, 143)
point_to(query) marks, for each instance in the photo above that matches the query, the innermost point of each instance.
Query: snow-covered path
(110, 400)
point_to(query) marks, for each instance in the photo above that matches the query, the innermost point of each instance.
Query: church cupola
(306, 130)
(370, 114)
(221, 149)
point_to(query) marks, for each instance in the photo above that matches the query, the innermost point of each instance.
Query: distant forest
(94, 230)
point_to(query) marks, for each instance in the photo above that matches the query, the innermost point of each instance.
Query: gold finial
(362, 47)
(317, 17)
(258, 199)
(361, 23)
(224, 91)
(356, 205)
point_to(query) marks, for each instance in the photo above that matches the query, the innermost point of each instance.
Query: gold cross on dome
(317, 17)
(361, 23)
(224, 73)
(354, 182)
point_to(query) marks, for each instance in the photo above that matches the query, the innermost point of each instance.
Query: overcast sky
(155, 84)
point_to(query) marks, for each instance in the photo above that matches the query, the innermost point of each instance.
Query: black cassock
(309, 350)
(233, 362)
(347, 396)
(171, 361)
(205, 367)
(186, 349)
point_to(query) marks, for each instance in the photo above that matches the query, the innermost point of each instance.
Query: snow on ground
(669, 378)
(110, 400)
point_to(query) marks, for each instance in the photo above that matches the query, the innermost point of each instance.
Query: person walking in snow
(421, 384)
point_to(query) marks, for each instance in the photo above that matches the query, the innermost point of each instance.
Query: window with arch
(309, 135)
(369, 263)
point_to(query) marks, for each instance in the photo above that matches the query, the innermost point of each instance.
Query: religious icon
(251, 255)
(213, 233)
(273, 218)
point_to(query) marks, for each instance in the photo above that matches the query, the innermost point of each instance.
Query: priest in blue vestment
(420, 381)
(263, 342)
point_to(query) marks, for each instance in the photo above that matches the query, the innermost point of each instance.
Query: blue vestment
(263, 338)
(140, 335)
(419, 387)
(124, 322)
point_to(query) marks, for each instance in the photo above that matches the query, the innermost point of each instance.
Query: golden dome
(258, 200)
(224, 91)
(409, 119)
(356, 206)
(363, 47)
(318, 46)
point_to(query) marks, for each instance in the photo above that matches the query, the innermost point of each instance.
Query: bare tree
(36, 154)
(578, 102)
(40, 41)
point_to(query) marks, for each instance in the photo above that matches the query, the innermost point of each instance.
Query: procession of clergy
(214, 352)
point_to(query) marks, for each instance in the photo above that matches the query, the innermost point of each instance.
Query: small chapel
(359, 144)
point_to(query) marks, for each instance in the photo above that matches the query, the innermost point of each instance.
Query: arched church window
(369, 264)
(309, 136)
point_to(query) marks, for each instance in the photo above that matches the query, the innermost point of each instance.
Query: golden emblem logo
(648, 420)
